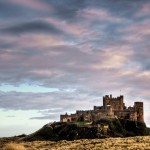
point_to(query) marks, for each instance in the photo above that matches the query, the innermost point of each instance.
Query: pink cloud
(145, 10)
(71, 28)
(98, 14)
(141, 28)
(34, 4)
(34, 41)
(136, 32)
(41, 40)
(116, 58)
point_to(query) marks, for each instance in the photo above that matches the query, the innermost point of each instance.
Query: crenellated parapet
(116, 102)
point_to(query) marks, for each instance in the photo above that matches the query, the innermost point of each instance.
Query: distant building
(112, 108)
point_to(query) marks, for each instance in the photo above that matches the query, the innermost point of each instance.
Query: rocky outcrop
(100, 129)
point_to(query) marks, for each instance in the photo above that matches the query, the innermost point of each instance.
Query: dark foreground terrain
(103, 134)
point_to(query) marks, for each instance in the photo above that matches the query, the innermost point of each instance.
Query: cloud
(85, 49)
(47, 117)
(63, 65)
(16, 10)
(97, 14)
(144, 11)
(7, 10)
(11, 116)
(76, 29)
(33, 4)
(31, 27)
(65, 101)
(139, 29)
(67, 10)
(127, 9)
(53, 117)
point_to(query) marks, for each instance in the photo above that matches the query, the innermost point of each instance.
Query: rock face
(133, 128)
(100, 129)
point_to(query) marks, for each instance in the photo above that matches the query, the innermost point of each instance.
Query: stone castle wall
(111, 108)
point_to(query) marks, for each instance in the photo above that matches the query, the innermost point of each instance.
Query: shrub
(13, 146)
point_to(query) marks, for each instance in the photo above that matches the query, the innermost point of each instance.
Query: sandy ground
(131, 143)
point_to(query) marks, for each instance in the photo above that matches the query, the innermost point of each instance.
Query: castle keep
(112, 108)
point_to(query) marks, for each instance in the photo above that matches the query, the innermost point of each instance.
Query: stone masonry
(112, 108)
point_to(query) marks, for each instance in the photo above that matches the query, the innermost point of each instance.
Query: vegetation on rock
(73, 131)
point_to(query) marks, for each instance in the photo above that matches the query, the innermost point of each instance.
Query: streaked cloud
(31, 27)
(33, 4)
(98, 14)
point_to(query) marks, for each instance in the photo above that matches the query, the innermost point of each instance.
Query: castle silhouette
(112, 108)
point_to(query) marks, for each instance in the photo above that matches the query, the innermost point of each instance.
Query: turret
(138, 106)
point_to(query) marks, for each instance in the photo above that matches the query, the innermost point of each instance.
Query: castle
(112, 108)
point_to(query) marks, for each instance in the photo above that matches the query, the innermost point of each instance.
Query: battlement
(116, 102)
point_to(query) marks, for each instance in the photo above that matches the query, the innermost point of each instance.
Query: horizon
(60, 56)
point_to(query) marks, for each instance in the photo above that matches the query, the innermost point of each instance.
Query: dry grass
(14, 146)
(130, 143)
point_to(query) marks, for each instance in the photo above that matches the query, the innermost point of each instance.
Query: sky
(60, 56)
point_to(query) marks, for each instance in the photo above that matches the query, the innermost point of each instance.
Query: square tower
(116, 103)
